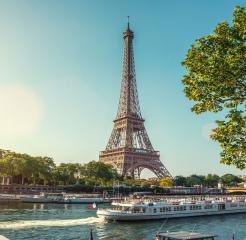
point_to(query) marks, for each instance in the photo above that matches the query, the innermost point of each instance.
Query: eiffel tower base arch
(134, 163)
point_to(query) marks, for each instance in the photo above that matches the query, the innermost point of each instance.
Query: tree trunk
(3, 181)
(22, 180)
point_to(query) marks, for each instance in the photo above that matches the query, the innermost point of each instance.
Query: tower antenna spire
(128, 22)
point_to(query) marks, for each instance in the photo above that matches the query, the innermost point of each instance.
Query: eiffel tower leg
(162, 172)
(137, 172)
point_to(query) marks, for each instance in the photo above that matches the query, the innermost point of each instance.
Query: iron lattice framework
(129, 149)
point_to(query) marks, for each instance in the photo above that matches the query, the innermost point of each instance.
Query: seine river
(21, 221)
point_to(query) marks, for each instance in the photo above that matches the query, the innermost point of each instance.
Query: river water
(21, 221)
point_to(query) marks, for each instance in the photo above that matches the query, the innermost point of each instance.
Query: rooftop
(182, 235)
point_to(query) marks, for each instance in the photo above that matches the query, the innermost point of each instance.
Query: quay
(175, 190)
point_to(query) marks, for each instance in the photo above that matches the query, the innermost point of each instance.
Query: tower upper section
(128, 104)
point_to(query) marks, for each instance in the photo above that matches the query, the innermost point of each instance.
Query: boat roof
(155, 204)
(182, 235)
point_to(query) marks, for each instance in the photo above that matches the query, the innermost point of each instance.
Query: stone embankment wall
(27, 189)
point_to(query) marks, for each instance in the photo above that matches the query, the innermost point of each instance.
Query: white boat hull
(113, 216)
(86, 200)
(38, 200)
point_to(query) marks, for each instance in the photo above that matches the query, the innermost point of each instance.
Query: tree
(61, 174)
(166, 182)
(24, 166)
(212, 180)
(179, 181)
(195, 180)
(100, 170)
(216, 81)
(8, 165)
(35, 165)
(72, 172)
(230, 180)
(45, 166)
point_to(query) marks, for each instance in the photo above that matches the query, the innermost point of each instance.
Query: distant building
(243, 177)
(220, 184)
(242, 185)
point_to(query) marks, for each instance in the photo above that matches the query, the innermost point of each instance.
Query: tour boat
(86, 200)
(132, 211)
(43, 198)
(65, 198)
(181, 235)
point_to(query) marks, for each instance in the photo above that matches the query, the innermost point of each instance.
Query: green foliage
(195, 180)
(179, 181)
(66, 173)
(75, 177)
(100, 170)
(231, 136)
(211, 180)
(166, 182)
(216, 81)
(29, 168)
(42, 170)
(230, 180)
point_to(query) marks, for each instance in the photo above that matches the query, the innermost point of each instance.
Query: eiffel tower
(129, 149)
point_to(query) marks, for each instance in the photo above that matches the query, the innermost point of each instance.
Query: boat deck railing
(181, 201)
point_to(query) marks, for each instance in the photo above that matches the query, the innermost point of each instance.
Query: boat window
(138, 210)
(165, 209)
(119, 208)
(241, 204)
(180, 208)
(221, 206)
(195, 207)
(208, 206)
(126, 209)
(154, 210)
(233, 204)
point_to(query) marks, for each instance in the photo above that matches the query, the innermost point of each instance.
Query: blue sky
(61, 64)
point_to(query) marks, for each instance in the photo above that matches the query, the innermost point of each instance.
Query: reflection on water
(20, 221)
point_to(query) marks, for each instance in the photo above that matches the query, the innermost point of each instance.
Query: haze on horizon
(61, 67)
